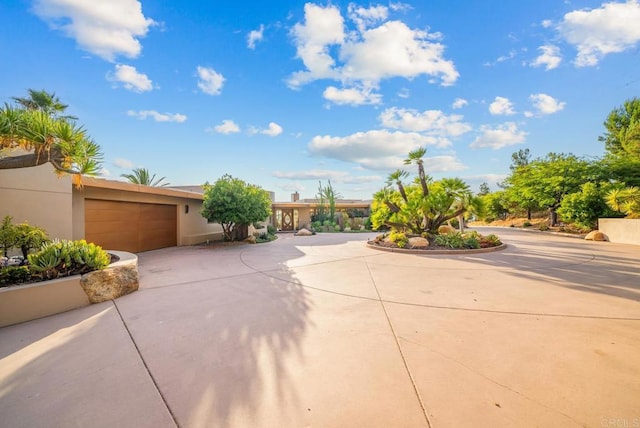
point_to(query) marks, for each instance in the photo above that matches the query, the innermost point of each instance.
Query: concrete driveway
(322, 331)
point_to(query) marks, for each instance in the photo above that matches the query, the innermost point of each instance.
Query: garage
(130, 226)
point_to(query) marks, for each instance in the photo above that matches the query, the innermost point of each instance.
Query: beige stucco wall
(38, 196)
(621, 230)
(192, 227)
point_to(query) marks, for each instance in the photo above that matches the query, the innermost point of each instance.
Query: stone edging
(437, 252)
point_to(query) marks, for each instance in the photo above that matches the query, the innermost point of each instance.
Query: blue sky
(283, 94)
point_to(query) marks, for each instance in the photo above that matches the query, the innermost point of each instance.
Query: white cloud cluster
(549, 57)
(158, 117)
(459, 103)
(273, 130)
(227, 127)
(123, 163)
(613, 27)
(351, 96)
(376, 149)
(210, 81)
(255, 36)
(500, 136)
(130, 78)
(544, 105)
(360, 58)
(429, 122)
(106, 30)
(501, 106)
(325, 174)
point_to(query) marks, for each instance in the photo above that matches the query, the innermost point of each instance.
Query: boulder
(304, 232)
(110, 283)
(251, 239)
(446, 229)
(595, 235)
(418, 242)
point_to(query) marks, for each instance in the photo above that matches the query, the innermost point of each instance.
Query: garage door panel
(130, 226)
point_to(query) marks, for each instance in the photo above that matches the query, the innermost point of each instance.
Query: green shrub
(64, 258)
(399, 238)
(543, 227)
(14, 275)
(457, 240)
(489, 241)
(526, 224)
(271, 230)
(336, 228)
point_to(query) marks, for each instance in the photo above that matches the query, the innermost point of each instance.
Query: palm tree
(45, 102)
(416, 156)
(144, 177)
(396, 177)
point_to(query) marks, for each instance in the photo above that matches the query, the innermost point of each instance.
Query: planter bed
(27, 302)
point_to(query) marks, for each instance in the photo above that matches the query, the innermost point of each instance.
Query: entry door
(287, 219)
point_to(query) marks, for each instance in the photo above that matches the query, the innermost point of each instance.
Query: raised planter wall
(31, 301)
(621, 230)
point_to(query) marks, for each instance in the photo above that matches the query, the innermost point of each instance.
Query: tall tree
(520, 158)
(46, 102)
(416, 156)
(40, 136)
(235, 204)
(622, 135)
(144, 177)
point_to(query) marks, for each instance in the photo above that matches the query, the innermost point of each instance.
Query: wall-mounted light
(186, 209)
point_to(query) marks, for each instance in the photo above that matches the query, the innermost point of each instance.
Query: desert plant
(29, 238)
(7, 235)
(63, 258)
(14, 275)
(399, 238)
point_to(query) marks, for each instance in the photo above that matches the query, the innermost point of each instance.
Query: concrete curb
(438, 252)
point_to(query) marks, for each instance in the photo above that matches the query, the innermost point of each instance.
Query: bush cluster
(399, 238)
(57, 259)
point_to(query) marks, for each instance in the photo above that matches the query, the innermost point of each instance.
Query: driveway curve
(322, 331)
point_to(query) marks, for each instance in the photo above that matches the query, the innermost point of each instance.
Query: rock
(418, 242)
(595, 235)
(110, 283)
(304, 232)
(251, 239)
(446, 229)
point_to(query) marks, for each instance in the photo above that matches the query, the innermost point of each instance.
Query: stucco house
(113, 214)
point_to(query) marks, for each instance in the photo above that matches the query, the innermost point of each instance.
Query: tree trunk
(553, 217)
(241, 232)
(22, 161)
(528, 213)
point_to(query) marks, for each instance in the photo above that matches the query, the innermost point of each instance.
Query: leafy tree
(484, 189)
(584, 207)
(7, 235)
(144, 177)
(626, 200)
(547, 181)
(622, 135)
(46, 137)
(520, 158)
(495, 205)
(45, 102)
(425, 205)
(235, 204)
(29, 238)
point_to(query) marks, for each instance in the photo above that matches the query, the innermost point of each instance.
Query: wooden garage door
(130, 226)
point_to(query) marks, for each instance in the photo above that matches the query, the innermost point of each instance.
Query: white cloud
(545, 104)
(431, 122)
(323, 27)
(363, 56)
(400, 7)
(501, 106)
(227, 127)
(158, 117)
(459, 103)
(123, 163)
(367, 17)
(210, 81)
(550, 57)
(511, 55)
(377, 149)
(404, 93)
(501, 136)
(323, 174)
(273, 130)
(104, 173)
(130, 78)
(546, 23)
(107, 29)
(351, 96)
(443, 164)
(255, 36)
(613, 27)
